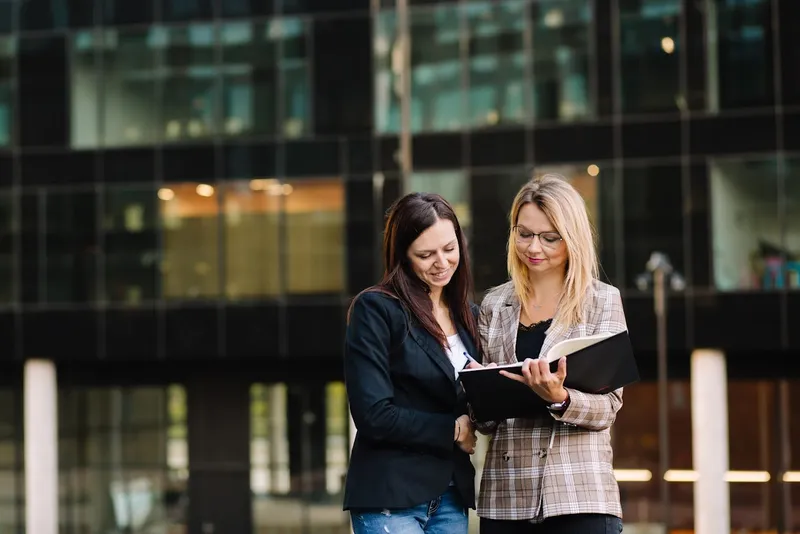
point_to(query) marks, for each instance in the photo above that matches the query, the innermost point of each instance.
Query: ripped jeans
(443, 515)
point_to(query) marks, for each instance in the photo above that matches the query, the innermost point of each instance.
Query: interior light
(791, 476)
(668, 45)
(633, 475)
(593, 170)
(204, 190)
(165, 193)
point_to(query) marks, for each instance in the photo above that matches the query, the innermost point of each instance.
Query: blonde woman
(551, 474)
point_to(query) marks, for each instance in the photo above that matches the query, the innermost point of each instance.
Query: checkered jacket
(557, 464)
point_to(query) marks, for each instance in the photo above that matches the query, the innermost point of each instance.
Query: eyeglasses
(546, 239)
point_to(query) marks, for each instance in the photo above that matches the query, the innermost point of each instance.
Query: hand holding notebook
(595, 364)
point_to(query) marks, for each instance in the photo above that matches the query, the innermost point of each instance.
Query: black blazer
(404, 400)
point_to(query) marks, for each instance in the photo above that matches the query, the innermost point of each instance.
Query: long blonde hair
(566, 210)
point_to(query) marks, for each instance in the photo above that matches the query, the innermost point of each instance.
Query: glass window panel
(314, 215)
(178, 10)
(746, 233)
(269, 449)
(130, 234)
(740, 58)
(252, 238)
(650, 49)
(116, 474)
(130, 86)
(497, 88)
(295, 75)
(71, 246)
(652, 218)
(8, 231)
(127, 12)
(85, 80)
(249, 83)
(453, 186)
(561, 59)
(191, 94)
(7, 53)
(337, 445)
(387, 76)
(791, 225)
(189, 215)
(437, 99)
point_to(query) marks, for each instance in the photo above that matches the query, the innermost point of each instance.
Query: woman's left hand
(536, 375)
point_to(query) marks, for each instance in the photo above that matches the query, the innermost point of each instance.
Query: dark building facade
(191, 191)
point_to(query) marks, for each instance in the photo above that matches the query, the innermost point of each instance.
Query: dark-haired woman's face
(434, 255)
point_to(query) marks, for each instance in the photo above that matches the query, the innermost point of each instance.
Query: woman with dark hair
(407, 339)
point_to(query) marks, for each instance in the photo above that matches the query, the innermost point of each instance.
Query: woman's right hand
(465, 436)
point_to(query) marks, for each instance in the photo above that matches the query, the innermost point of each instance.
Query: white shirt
(457, 353)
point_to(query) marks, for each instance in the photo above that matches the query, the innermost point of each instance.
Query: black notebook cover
(599, 368)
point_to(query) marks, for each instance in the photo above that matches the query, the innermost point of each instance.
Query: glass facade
(192, 191)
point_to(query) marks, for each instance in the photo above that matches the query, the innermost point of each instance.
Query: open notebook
(595, 364)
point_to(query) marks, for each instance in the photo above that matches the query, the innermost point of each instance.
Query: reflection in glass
(7, 52)
(190, 106)
(71, 246)
(249, 81)
(314, 215)
(453, 186)
(337, 444)
(256, 58)
(747, 244)
(129, 86)
(130, 233)
(8, 230)
(252, 238)
(276, 508)
(791, 225)
(269, 455)
(11, 481)
(561, 59)
(650, 50)
(496, 63)
(437, 101)
(190, 225)
(122, 459)
(295, 72)
(85, 73)
(386, 67)
(740, 58)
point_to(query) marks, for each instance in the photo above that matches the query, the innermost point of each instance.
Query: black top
(404, 399)
(530, 339)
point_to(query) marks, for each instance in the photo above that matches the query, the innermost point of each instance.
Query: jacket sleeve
(597, 411)
(370, 391)
(484, 320)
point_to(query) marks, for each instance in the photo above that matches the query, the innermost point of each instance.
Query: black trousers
(564, 524)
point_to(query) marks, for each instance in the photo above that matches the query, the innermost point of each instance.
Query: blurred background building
(192, 190)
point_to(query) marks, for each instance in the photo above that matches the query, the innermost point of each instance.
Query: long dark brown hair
(406, 219)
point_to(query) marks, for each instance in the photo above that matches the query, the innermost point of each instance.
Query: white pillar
(41, 447)
(710, 442)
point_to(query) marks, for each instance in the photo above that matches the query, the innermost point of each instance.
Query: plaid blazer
(557, 464)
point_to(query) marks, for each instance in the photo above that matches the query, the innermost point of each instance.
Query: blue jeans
(443, 515)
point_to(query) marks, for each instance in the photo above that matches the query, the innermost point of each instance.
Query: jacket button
(542, 453)
(506, 457)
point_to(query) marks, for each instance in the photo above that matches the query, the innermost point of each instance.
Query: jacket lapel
(433, 350)
(509, 325)
(555, 333)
